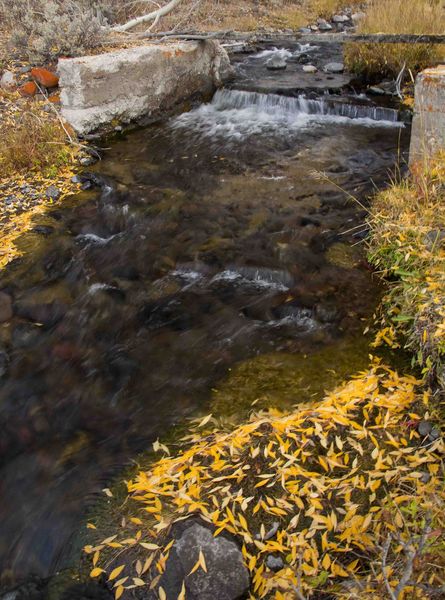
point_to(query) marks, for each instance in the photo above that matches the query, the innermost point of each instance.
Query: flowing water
(225, 236)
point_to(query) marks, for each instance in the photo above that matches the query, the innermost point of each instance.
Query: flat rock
(53, 192)
(310, 69)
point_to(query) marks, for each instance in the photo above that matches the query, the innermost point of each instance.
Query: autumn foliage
(331, 481)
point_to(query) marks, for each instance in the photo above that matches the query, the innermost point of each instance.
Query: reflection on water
(206, 244)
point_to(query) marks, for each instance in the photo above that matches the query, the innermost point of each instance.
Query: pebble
(53, 192)
(310, 69)
(7, 80)
(424, 428)
(274, 563)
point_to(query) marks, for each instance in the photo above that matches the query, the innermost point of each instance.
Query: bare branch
(152, 16)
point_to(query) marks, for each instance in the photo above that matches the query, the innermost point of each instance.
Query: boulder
(7, 80)
(45, 78)
(226, 578)
(334, 67)
(310, 69)
(276, 63)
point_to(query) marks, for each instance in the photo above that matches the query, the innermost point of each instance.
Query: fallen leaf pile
(320, 487)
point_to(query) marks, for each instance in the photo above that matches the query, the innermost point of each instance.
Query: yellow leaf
(162, 594)
(136, 521)
(118, 593)
(91, 526)
(205, 420)
(148, 546)
(116, 572)
(182, 592)
(138, 581)
(96, 572)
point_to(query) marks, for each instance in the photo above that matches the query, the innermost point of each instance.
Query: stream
(226, 240)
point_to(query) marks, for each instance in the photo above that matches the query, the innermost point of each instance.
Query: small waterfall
(226, 99)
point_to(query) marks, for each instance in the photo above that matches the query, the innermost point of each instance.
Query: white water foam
(238, 114)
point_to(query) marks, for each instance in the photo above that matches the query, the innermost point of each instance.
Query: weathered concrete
(428, 131)
(143, 81)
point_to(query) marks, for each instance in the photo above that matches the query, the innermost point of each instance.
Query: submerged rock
(276, 63)
(5, 307)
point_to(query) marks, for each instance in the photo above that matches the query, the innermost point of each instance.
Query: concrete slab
(428, 130)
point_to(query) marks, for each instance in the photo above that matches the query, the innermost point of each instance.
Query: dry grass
(398, 16)
(408, 245)
(33, 140)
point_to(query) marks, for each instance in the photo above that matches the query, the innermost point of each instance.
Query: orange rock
(55, 98)
(29, 89)
(45, 77)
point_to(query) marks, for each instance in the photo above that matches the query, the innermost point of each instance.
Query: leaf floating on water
(205, 420)
(108, 492)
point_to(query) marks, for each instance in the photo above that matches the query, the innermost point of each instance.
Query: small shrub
(34, 142)
(46, 29)
(375, 61)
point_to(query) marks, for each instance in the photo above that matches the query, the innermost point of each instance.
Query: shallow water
(225, 234)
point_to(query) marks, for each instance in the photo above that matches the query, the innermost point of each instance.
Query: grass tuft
(375, 61)
(408, 246)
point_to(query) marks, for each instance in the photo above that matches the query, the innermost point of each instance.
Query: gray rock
(305, 30)
(310, 69)
(274, 563)
(340, 18)
(434, 238)
(323, 25)
(314, 28)
(424, 428)
(24, 70)
(434, 434)
(425, 477)
(6, 311)
(376, 91)
(334, 67)
(276, 63)
(53, 192)
(7, 80)
(87, 161)
(226, 579)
